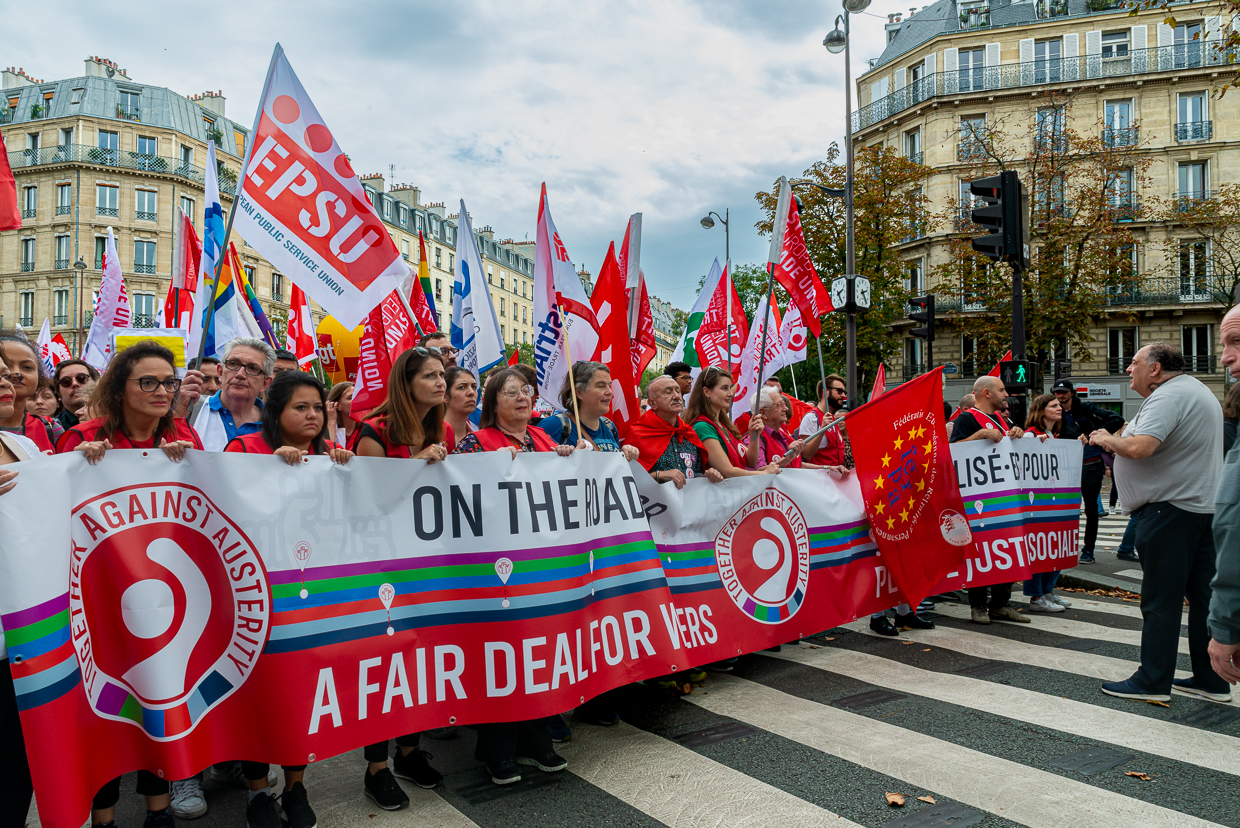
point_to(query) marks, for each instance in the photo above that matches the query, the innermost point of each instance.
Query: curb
(1089, 580)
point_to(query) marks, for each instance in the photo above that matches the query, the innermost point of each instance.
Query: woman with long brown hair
(410, 422)
(462, 400)
(710, 402)
(1045, 422)
(25, 370)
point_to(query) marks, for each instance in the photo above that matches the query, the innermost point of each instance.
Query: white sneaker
(1040, 604)
(1055, 599)
(187, 799)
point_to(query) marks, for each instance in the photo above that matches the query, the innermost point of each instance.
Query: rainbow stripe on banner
(41, 655)
(1002, 510)
(342, 603)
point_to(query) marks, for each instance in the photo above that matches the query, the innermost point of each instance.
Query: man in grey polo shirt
(1225, 603)
(1167, 467)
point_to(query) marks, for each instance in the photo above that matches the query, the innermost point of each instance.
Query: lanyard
(986, 421)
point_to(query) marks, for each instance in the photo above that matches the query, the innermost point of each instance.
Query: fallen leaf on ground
(1144, 777)
(895, 799)
(928, 798)
(1159, 703)
(926, 650)
(828, 638)
(908, 642)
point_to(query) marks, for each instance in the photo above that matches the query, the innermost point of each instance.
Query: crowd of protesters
(253, 400)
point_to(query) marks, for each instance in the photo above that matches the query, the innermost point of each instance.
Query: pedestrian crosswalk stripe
(1007, 789)
(682, 788)
(1057, 623)
(980, 645)
(1181, 743)
(1136, 574)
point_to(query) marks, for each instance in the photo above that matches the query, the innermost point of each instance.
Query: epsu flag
(303, 209)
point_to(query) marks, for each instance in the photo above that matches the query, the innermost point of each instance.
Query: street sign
(950, 368)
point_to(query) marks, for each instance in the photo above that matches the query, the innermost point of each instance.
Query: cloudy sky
(668, 108)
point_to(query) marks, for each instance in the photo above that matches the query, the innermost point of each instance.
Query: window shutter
(1166, 40)
(1139, 48)
(1213, 35)
(951, 66)
(992, 65)
(1093, 53)
(1071, 56)
(1026, 61)
(899, 79)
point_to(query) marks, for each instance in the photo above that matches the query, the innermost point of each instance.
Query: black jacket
(1085, 418)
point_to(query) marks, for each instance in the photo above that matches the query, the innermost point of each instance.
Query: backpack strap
(566, 427)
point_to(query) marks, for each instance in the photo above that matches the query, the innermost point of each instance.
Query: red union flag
(912, 498)
(303, 209)
(795, 271)
(389, 333)
(714, 337)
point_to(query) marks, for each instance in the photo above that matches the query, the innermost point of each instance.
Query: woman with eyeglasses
(462, 399)
(135, 399)
(708, 411)
(507, 405)
(24, 372)
(592, 383)
(408, 424)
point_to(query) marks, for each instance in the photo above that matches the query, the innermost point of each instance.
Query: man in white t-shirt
(1167, 468)
(830, 448)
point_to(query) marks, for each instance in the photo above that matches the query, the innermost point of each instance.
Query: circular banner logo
(169, 606)
(762, 553)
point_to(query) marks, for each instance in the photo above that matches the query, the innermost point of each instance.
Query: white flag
(795, 338)
(44, 347)
(212, 254)
(561, 307)
(111, 309)
(475, 328)
(749, 381)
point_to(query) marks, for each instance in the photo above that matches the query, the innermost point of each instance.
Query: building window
(972, 69)
(143, 256)
(969, 346)
(144, 310)
(439, 289)
(1121, 346)
(1194, 270)
(27, 255)
(1194, 181)
(144, 206)
(404, 216)
(62, 253)
(1050, 130)
(439, 258)
(404, 248)
(30, 202)
(1195, 343)
(914, 282)
(452, 262)
(387, 209)
(187, 204)
(187, 155)
(1188, 45)
(32, 142)
(64, 199)
(60, 305)
(107, 197)
(1118, 130)
(972, 137)
(912, 145)
(66, 136)
(109, 143)
(914, 357)
(1193, 122)
(502, 311)
(27, 313)
(147, 145)
(501, 280)
(128, 106)
(524, 319)
(1047, 61)
(1115, 45)
(277, 287)
(101, 246)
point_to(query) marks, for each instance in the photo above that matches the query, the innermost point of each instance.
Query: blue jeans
(1041, 583)
(1128, 542)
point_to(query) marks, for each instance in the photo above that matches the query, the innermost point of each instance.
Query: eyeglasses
(427, 350)
(232, 366)
(515, 393)
(76, 379)
(149, 384)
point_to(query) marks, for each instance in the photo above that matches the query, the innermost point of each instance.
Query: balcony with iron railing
(129, 114)
(1124, 207)
(60, 319)
(970, 149)
(27, 267)
(1188, 201)
(144, 268)
(1192, 289)
(123, 159)
(916, 157)
(1042, 72)
(62, 264)
(964, 218)
(26, 321)
(142, 215)
(1194, 130)
(6, 115)
(63, 209)
(977, 17)
(29, 213)
(913, 370)
(1121, 136)
(144, 320)
(106, 211)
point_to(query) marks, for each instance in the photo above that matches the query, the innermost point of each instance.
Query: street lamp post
(837, 41)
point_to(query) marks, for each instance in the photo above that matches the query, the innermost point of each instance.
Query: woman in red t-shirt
(136, 398)
(410, 422)
(294, 422)
(25, 369)
(504, 422)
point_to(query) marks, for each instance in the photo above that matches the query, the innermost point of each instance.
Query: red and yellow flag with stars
(912, 498)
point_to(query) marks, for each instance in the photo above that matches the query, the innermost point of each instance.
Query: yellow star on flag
(921, 485)
(886, 460)
(899, 443)
(878, 507)
(929, 448)
(878, 482)
(904, 515)
(912, 433)
(891, 522)
(926, 467)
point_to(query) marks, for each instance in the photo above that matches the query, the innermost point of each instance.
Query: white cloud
(669, 108)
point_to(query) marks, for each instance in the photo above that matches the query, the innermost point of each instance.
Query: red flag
(908, 482)
(614, 351)
(10, 214)
(880, 382)
(994, 372)
(389, 332)
(178, 308)
(712, 338)
(300, 331)
(795, 271)
(515, 356)
(642, 341)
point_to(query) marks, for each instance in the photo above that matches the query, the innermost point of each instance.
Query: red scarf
(652, 435)
(730, 444)
(994, 421)
(492, 439)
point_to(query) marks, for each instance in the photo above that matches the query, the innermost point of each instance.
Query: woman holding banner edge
(707, 411)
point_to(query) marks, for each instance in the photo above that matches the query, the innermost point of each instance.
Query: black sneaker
(296, 807)
(550, 762)
(913, 621)
(262, 811)
(415, 766)
(883, 627)
(386, 792)
(1085, 558)
(505, 773)
(1128, 556)
(159, 819)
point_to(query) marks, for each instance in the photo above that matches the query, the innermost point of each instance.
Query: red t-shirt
(91, 430)
(256, 443)
(376, 429)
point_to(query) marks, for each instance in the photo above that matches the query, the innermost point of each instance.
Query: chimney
(406, 193)
(16, 79)
(213, 101)
(373, 179)
(97, 67)
(487, 232)
(436, 208)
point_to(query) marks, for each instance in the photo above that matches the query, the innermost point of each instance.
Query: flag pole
(822, 369)
(219, 269)
(572, 381)
(412, 317)
(766, 324)
(727, 272)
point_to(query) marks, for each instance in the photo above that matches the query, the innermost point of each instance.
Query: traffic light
(925, 316)
(1020, 375)
(1003, 212)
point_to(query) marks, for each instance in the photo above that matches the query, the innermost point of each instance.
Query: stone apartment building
(959, 63)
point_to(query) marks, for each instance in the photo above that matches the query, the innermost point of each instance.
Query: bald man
(1224, 620)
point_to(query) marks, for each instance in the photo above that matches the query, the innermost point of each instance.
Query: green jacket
(1225, 602)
